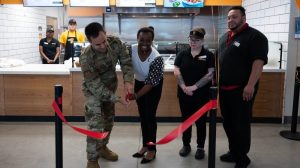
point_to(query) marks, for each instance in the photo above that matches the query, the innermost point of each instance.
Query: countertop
(64, 69)
(38, 69)
(168, 68)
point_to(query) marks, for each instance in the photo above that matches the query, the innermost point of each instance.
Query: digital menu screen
(42, 3)
(184, 3)
(89, 2)
(135, 3)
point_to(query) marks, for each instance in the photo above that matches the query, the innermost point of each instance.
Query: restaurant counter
(29, 91)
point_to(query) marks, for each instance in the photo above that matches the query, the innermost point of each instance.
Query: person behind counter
(242, 54)
(98, 62)
(193, 70)
(49, 48)
(68, 38)
(148, 68)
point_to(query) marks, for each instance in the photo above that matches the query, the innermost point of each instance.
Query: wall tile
(19, 31)
(271, 18)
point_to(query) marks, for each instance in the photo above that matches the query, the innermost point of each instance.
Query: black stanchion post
(212, 130)
(58, 128)
(293, 134)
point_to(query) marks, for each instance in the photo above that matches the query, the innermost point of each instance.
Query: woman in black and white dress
(148, 68)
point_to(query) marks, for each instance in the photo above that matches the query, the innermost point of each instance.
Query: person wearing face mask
(98, 65)
(49, 48)
(68, 38)
(242, 54)
(194, 68)
(148, 68)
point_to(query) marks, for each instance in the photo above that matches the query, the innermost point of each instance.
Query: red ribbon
(186, 124)
(93, 134)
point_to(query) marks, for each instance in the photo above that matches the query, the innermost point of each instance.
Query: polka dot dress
(156, 71)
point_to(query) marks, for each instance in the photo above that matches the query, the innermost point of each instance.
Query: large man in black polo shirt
(49, 48)
(242, 53)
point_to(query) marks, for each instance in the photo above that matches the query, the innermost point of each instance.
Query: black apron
(69, 49)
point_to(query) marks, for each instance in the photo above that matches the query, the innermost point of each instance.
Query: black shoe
(243, 164)
(145, 160)
(138, 155)
(227, 157)
(184, 151)
(199, 154)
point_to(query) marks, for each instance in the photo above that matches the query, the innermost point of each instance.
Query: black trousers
(237, 115)
(188, 108)
(147, 106)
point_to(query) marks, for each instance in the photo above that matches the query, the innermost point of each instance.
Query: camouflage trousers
(100, 117)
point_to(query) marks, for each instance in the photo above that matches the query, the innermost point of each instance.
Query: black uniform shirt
(193, 69)
(238, 55)
(49, 48)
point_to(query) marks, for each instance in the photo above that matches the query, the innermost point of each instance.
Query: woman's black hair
(145, 30)
(151, 27)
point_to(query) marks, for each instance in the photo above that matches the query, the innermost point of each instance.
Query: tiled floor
(32, 145)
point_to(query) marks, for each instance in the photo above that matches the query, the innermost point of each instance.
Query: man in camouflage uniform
(98, 64)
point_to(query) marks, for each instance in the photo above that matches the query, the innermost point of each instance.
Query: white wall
(271, 17)
(19, 34)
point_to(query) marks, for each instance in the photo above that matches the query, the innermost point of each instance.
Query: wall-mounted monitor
(135, 3)
(184, 3)
(96, 3)
(43, 3)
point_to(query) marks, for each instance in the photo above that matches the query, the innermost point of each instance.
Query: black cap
(50, 29)
(197, 33)
(72, 21)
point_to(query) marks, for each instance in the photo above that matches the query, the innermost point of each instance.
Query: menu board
(42, 3)
(184, 3)
(135, 3)
(89, 2)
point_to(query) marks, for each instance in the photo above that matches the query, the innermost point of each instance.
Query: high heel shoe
(138, 155)
(145, 160)
(141, 153)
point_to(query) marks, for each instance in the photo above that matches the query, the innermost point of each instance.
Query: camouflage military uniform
(99, 87)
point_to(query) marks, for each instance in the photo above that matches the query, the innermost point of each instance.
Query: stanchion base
(290, 135)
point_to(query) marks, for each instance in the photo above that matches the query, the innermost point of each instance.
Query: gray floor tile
(32, 145)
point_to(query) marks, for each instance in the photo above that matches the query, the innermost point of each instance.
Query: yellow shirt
(63, 38)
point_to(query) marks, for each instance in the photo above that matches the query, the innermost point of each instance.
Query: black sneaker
(199, 154)
(227, 157)
(184, 151)
(243, 164)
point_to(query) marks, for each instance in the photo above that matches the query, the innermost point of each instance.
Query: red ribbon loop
(93, 134)
(186, 124)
